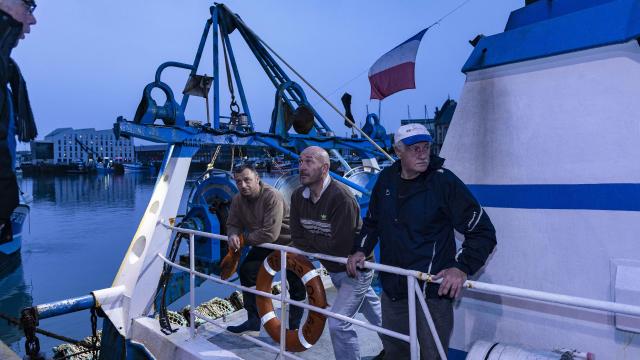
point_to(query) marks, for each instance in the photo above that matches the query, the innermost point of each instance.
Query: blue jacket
(417, 231)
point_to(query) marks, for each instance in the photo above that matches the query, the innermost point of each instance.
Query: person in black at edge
(415, 207)
(16, 118)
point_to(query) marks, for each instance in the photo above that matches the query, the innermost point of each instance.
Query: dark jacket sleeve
(368, 236)
(471, 220)
(269, 229)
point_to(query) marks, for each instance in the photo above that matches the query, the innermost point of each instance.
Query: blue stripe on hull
(621, 197)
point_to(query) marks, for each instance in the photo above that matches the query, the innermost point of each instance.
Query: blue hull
(17, 222)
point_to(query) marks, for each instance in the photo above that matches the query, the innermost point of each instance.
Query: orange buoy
(229, 263)
(297, 340)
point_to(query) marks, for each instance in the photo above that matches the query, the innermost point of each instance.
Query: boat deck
(213, 342)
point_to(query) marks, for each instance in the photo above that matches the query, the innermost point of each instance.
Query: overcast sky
(86, 62)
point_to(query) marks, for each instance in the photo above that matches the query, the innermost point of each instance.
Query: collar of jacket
(258, 195)
(393, 180)
(306, 193)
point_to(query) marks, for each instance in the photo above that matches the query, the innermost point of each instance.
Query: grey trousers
(354, 295)
(395, 316)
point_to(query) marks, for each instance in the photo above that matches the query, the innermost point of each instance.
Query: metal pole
(413, 336)
(196, 61)
(67, 306)
(192, 286)
(301, 304)
(296, 156)
(432, 325)
(216, 71)
(342, 161)
(283, 304)
(315, 90)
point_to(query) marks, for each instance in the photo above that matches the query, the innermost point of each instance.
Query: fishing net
(76, 352)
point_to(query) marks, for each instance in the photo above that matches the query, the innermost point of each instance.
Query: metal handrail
(412, 276)
(411, 288)
(291, 301)
(562, 299)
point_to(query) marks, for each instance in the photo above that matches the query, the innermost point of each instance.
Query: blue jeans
(354, 295)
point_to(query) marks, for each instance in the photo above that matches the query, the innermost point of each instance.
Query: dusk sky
(87, 62)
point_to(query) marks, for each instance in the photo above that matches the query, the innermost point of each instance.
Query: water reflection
(105, 189)
(14, 296)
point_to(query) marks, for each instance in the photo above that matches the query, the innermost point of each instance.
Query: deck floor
(370, 344)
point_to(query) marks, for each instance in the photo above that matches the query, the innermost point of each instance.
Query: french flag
(395, 70)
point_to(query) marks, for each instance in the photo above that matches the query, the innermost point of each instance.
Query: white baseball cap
(411, 134)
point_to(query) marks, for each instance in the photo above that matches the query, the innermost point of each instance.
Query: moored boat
(133, 167)
(10, 246)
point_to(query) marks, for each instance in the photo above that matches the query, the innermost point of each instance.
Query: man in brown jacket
(325, 217)
(261, 215)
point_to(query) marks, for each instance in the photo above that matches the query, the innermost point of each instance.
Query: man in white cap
(415, 207)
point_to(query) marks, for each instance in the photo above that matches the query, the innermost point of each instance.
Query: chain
(94, 332)
(212, 163)
(29, 321)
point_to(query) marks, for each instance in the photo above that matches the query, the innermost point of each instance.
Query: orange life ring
(297, 340)
(229, 263)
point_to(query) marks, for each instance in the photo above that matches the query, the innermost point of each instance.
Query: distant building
(70, 145)
(41, 152)
(150, 154)
(439, 125)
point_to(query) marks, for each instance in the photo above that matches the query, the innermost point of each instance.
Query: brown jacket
(264, 219)
(327, 226)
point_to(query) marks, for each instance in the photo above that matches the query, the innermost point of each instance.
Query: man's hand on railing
(234, 242)
(354, 262)
(452, 281)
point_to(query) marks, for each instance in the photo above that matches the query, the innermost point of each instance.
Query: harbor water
(78, 232)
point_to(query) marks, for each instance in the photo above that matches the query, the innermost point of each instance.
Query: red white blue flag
(395, 70)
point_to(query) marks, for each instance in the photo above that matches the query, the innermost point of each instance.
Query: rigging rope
(230, 81)
(381, 150)
(233, 152)
(437, 22)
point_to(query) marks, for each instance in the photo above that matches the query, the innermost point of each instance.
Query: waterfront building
(68, 145)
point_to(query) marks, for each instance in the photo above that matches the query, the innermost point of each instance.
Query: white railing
(412, 286)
